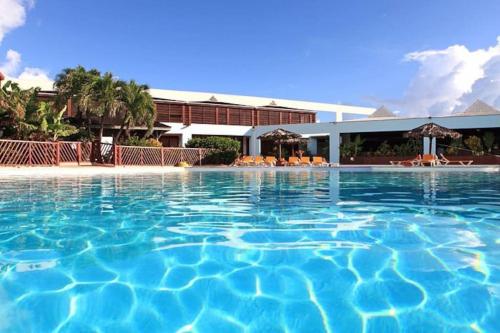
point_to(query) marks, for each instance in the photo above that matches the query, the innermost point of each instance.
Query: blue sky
(350, 52)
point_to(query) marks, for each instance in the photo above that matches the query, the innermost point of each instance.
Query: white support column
(338, 116)
(254, 148)
(312, 145)
(427, 145)
(433, 146)
(185, 138)
(334, 148)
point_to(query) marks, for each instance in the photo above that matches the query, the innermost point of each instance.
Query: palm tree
(70, 85)
(101, 98)
(70, 82)
(138, 108)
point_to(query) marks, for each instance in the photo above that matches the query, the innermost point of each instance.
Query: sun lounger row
(272, 161)
(431, 160)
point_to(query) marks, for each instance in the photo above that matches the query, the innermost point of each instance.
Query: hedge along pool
(251, 251)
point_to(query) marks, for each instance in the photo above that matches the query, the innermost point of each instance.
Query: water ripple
(251, 251)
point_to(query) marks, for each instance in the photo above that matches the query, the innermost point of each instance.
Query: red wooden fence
(17, 152)
(128, 155)
(37, 153)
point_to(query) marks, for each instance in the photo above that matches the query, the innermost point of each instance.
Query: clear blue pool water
(301, 251)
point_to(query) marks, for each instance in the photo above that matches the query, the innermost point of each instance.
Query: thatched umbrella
(433, 130)
(281, 136)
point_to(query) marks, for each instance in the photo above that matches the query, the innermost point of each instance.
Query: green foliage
(224, 150)
(103, 97)
(411, 147)
(384, 150)
(138, 108)
(82, 134)
(70, 83)
(455, 146)
(95, 97)
(50, 122)
(489, 140)
(352, 148)
(17, 110)
(23, 117)
(142, 142)
(474, 143)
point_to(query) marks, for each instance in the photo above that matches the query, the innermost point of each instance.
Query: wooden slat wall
(169, 112)
(246, 117)
(177, 112)
(263, 117)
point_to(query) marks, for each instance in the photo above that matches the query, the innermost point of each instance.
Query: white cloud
(12, 62)
(27, 77)
(13, 14)
(449, 80)
(35, 77)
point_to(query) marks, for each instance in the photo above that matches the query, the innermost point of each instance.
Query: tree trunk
(101, 129)
(146, 134)
(127, 130)
(122, 127)
(89, 126)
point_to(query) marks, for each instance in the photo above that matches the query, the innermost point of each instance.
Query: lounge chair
(446, 161)
(259, 160)
(430, 159)
(270, 160)
(246, 161)
(319, 161)
(293, 160)
(305, 160)
(413, 162)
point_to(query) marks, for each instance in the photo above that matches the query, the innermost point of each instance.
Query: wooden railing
(32, 153)
(37, 153)
(74, 152)
(128, 155)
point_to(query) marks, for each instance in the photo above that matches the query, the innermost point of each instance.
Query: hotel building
(182, 115)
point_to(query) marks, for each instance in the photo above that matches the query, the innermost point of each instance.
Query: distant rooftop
(479, 108)
(382, 112)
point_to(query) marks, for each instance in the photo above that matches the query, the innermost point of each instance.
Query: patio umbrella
(433, 130)
(281, 136)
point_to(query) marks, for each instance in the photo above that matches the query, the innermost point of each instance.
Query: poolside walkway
(130, 170)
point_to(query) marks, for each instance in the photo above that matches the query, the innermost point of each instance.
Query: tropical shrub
(223, 150)
(489, 140)
(142, 142)
(455, 146)
(410, 148)
(18, 108)
(384, 150)
(352, 148)
(50, 123)
(474, 144)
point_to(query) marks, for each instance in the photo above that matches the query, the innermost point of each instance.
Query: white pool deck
(134, 170)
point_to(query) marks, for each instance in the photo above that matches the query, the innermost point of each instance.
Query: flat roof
(194, 96)
(204, 97)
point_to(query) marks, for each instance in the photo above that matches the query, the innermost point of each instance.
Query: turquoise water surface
(251, 251)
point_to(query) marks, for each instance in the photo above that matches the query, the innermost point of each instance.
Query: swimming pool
(251, 251)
